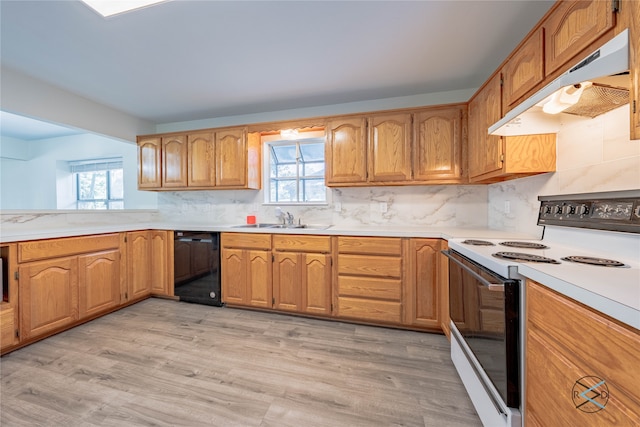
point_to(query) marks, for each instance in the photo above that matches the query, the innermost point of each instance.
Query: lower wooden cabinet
(581, 366)
(246, 269)
(422, 298)
(369, 279)
(302, 274)
(138, 265)
(48, 295)
(9, 307)
(99, 282)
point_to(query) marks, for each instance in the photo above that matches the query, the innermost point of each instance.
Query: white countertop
(594, 288)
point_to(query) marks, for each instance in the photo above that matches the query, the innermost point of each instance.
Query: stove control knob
(566, 210)
(557, 210)
(582, 210)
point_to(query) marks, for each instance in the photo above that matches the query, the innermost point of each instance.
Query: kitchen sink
(283, 226)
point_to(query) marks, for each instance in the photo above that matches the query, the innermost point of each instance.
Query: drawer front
(380, 311)
(54, 248)
(296, 243)
(370, 245)
(365, 287)
(377, 266)
(246, 240)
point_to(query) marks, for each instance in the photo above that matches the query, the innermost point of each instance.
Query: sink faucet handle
(289, 218)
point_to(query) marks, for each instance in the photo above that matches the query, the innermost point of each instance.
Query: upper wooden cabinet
(174, 161)
(150, 163)
(201, 164)
(397, 148)
(346, 151)
(572, 27)
(485, 151)
(389, 148)
(438, 143)
(232, 152)
(524, 70)
(209, 159)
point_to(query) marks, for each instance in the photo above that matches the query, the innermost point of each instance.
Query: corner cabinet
(495, 158)
(226, 158)
(571, 348)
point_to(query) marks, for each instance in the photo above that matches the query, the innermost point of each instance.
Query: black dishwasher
(196, 267)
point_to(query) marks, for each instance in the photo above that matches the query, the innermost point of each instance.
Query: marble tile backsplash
(593, 155)
(461, 206)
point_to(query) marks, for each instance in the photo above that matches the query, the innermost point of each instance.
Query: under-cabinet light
(108, 8)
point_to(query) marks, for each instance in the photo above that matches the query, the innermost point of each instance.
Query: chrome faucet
(289, 219)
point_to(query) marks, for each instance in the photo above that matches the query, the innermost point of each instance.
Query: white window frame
(266, 169)
(96, 165)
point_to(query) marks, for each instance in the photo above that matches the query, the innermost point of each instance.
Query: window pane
(117, 184)
(92, 185)
(284, 153)
(314, 190)
(118, 204)
(287, 191)
(92, 205)
(286, 171)
(313, 169)
(312, 152)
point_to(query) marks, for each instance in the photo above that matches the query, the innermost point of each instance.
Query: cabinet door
(234, 276)
(138, 264)
(174, 161)
(201, 160)
(390, 148)
(572, 27)
(421, 296)
(287, 286)
(346, 151)
(438, 144)
(316, 284)
(99, 282)
(571, 348)
(48, 295)
(485, 151)
(260, 282)
(524, 70)
(159, 254)
(8, 336)
(149, 163)
(231, 153)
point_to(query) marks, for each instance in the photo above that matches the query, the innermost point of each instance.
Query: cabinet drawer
(384, 311)
(246, 240)
(44, 249)
(370, 245)
(359, 265)
(386, 289)
(288, 242)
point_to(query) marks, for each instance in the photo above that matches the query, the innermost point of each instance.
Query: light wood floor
(166, 363)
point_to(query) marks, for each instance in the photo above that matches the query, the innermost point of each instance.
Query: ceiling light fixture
(564, 98)
(108, 8)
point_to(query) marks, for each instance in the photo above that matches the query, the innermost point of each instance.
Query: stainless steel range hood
(604, 68)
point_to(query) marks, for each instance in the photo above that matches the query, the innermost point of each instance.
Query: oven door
(484, 309)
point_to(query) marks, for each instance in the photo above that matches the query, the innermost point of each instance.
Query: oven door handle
(485, 282)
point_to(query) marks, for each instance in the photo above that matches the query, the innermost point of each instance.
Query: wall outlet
(337, 207)
(383, 207)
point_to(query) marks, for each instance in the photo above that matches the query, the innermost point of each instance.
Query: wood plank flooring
(167, 363)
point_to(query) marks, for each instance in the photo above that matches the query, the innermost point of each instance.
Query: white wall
(35, 183)
(593, 155)
(33, 98)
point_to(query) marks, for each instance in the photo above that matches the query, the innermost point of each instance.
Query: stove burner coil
(478, 242)
(524, 245)
(602, 262)
(518, 256)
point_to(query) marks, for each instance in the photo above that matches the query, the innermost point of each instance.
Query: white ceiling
(190, 60)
